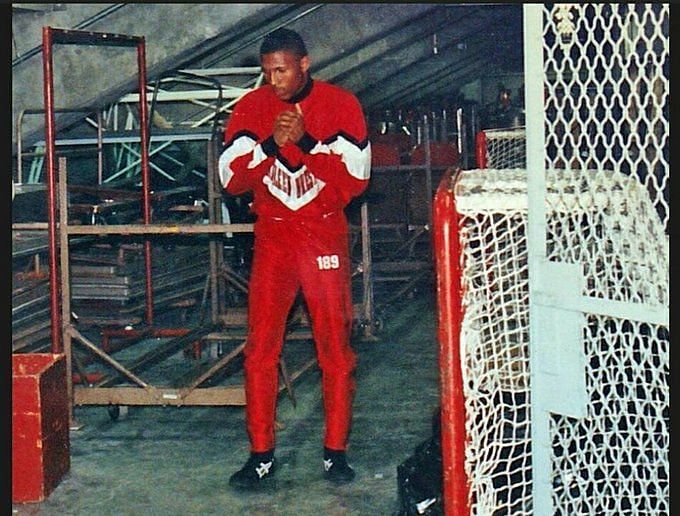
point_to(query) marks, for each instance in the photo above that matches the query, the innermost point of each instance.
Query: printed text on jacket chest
(293, 189)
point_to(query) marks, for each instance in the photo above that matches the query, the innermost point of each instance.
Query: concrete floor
(176, 461)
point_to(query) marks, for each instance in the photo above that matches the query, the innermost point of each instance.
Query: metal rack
(64, 331)
(203, 99)
(398, 265)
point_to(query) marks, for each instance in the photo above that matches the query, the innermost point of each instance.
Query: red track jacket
(319, 175)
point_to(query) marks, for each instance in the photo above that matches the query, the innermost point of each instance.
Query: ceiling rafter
(453, 73)
(419, 69)
(423, 27)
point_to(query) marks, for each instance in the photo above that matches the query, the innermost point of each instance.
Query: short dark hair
(283, 39)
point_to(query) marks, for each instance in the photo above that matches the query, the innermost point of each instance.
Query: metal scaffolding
(395, 253)
(107, 389)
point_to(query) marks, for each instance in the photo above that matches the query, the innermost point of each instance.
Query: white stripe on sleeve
(357, 161)
(239, 147)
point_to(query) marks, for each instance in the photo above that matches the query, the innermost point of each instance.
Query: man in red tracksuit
(300, 145)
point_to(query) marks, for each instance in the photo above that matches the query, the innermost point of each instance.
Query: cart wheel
(114, 412)
(368, 330)
(117, 411)
(378, 324)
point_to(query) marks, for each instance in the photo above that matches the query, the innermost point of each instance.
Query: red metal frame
(449, 299)
(50, 37)
(480, 149)
(55, 291)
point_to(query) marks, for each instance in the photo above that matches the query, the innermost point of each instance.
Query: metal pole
(20, 175)
(534, 91)
(460, 142)
(146, 180)
(100, 148)
(65, 285)
(449, 298)
(214, 217)
(367, 277)
(444, 135)
(480, 149)
(428, 170)
(48, 88)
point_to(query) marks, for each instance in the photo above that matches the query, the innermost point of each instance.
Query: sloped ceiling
(387, 54)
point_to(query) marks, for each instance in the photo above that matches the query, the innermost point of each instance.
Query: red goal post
(449, 299)
(501, 148)
(481, 260)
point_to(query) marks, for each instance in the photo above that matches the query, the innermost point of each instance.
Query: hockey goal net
(605, 213)
(501, 148)
(621, 449)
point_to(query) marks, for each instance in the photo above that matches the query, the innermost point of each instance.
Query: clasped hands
(289, 126)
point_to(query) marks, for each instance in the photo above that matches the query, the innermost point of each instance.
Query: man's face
(286, 72)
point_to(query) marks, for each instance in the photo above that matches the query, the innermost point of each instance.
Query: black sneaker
(256, 472)
(335, 466)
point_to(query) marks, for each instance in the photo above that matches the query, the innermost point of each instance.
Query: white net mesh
(615, 461)
(628, 362)
(494, 338)
(607, 92)
(607, 211)
(607, 119)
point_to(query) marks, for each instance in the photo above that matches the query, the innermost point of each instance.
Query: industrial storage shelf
(119, 382)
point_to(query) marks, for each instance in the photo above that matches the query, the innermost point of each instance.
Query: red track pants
(313, 256)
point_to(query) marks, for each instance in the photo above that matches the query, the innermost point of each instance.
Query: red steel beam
(146, 177)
